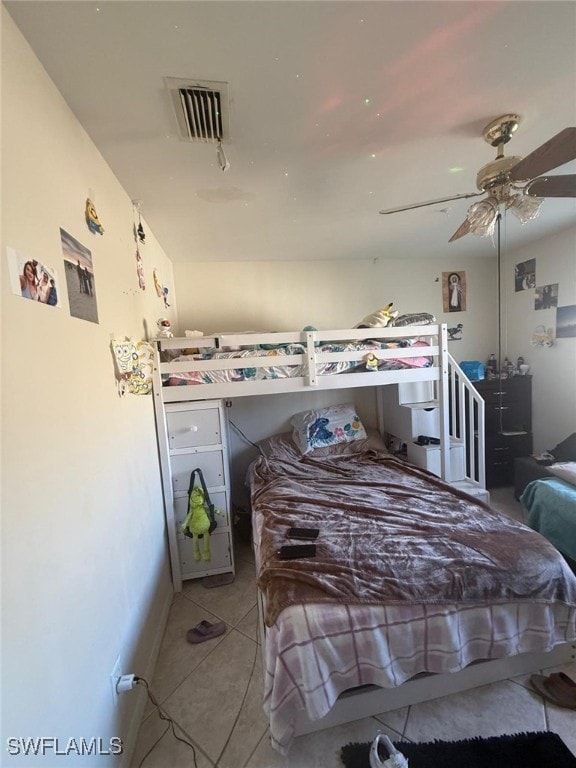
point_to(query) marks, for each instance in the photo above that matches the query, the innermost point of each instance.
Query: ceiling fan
(514, 182)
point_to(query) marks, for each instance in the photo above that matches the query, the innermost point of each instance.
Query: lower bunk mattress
(410, 576)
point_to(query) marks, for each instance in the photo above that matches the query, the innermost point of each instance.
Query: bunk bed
(235, 365)
(327, 661)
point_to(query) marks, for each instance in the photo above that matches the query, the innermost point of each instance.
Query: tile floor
(213, 692)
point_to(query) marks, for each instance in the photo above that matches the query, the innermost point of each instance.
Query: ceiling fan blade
(430, 202)
(552, 186)
(462, 230)
(556, 151)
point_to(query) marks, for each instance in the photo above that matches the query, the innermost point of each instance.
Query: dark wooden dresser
(508, 425)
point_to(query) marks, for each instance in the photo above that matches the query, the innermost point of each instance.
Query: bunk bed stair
(410, 411)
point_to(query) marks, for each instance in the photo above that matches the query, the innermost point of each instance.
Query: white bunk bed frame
(447, 378)
(435, 335)
(449, 383)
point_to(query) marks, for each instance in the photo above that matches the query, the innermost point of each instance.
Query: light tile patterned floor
(213, 692)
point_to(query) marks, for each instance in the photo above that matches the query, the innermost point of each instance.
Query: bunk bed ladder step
(412, 417)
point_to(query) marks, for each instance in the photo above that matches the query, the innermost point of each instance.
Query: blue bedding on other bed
(551, 506)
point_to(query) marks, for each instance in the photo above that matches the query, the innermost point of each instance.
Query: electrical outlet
(115, 675)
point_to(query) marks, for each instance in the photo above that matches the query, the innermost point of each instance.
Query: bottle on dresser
(507, 368)
(491, 366)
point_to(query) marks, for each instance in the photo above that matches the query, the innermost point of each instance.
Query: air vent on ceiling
(202, 109)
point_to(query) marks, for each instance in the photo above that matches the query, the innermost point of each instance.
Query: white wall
(85, 573)
(276, 296)
(553, 368)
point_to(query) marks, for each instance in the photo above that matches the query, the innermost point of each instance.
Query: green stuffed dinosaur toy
(198, 524)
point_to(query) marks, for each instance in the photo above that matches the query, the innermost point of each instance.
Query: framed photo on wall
(454, 291)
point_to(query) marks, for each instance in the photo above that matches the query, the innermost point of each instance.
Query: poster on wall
(32, 279)
(454, 291)
(134, 361)
(80, 279)
(566, 322)
(546, 296)
(525, 275)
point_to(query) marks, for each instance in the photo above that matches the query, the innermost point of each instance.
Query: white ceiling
(338, 109)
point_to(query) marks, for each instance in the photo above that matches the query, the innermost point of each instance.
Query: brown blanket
(393, 533)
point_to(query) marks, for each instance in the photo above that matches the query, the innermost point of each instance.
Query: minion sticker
(92, 218)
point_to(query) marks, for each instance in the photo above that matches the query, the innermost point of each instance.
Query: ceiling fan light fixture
(499, 177)
(524, 207)
(482, 217)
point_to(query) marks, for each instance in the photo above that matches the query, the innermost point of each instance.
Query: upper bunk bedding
(274, 367)
(230, 365)
(410, 576)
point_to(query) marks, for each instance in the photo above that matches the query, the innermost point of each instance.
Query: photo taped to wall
(32, 279)
(525, 275)
(566, 322)
(80, 279)
(546, 296)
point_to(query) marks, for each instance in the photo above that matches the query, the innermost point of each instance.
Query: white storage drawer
(220, 556)
(428, 457)
(210, 462)
(190, 428)
(194, 435)
(218, 498)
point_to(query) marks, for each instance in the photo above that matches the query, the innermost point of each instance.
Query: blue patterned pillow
(323, 427)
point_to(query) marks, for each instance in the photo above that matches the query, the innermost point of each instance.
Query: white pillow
(565, 470)
(326, 426)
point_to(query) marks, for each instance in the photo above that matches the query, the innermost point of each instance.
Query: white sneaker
(395, 758)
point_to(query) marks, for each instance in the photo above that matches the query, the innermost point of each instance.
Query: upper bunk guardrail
(311, 360)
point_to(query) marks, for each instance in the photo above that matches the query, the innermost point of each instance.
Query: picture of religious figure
(454, 291)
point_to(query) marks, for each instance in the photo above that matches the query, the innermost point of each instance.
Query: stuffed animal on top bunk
(388, 317)
(371, 362)
(379, 319)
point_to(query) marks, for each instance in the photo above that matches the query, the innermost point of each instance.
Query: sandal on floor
(560, 678)
(220, 580)
(555, 690)
(205, 631)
